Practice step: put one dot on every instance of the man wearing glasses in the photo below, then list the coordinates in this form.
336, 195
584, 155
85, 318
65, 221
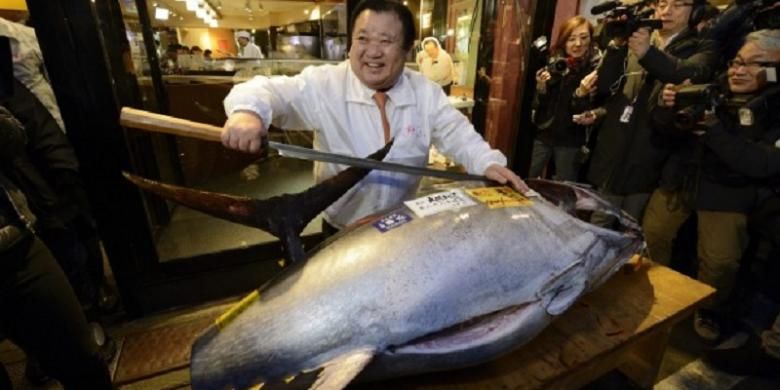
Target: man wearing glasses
627, 161
722, 174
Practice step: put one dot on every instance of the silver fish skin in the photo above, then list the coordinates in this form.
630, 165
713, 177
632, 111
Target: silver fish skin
441, 292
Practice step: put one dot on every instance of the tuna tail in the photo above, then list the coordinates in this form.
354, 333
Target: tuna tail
283, 216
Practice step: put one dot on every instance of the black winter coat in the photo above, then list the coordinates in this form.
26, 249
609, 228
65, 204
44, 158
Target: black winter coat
731, 167
553, 109
47, 169
628, 157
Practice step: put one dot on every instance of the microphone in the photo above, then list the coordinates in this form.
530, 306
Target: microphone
604, 7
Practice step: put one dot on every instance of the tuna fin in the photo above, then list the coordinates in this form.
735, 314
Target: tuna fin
283, 216
337, 373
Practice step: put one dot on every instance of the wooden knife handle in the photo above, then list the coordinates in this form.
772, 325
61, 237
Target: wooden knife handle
158, 123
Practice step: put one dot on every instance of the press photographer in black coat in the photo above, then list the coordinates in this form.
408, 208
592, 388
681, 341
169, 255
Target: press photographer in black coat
40, 311
627, 158
717, 174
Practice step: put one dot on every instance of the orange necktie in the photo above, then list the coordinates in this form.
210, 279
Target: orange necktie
381, 99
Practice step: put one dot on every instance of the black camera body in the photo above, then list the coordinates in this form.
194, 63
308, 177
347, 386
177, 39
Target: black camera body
695, 100
557, 66
624, 19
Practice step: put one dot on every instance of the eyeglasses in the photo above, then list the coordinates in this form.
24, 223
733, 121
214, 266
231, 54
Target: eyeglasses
753, 65
674, 4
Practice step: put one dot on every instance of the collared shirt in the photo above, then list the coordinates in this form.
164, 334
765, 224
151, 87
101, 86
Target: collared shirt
250, 51
28, 65
661, 43
334, 103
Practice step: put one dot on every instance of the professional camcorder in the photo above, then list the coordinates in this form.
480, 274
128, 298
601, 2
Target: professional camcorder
694, 101
740, 18
557, 66
624, 19
760, 13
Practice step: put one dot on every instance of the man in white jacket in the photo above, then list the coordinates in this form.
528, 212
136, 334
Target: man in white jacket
341, 104
247, 48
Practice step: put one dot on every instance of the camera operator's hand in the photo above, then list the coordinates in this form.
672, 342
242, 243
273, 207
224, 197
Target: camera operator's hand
542, 77
639, 42
587, 85
669, 93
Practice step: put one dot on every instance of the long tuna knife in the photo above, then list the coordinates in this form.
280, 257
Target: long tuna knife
158, 123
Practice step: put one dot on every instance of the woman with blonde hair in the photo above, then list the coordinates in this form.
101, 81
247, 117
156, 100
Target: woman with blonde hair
574, 57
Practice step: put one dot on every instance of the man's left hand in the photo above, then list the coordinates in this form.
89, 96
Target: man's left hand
639, 42
503, 175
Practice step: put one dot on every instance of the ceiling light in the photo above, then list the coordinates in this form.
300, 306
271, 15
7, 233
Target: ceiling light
161, 13
192, 5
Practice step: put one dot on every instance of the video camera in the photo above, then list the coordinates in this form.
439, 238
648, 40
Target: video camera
624, 19
557, 66
741, 17
759, 12
696, 100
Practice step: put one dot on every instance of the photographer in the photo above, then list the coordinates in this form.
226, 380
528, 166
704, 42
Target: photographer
723, 175
627, 159
574, 58
41, 313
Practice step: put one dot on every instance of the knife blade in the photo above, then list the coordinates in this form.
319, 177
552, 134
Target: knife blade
299, 152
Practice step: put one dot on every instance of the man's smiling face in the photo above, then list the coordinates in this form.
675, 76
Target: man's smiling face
377, 54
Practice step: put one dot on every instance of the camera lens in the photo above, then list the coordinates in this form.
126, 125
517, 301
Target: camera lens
559, 65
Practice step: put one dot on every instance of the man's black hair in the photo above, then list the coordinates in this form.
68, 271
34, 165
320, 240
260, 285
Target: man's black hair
400, 10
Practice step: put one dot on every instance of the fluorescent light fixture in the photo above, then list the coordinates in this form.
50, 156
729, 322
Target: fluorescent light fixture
213, 24
201, 12
161, 13
192, 5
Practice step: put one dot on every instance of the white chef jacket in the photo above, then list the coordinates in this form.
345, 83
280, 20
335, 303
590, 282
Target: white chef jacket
441, 70
250, 51
338, 107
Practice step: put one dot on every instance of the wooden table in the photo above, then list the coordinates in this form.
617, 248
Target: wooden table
624, 325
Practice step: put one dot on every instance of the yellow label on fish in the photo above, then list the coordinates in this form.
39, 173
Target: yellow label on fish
499, 197
234, 311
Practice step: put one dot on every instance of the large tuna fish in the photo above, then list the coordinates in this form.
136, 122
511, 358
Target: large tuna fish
402, 294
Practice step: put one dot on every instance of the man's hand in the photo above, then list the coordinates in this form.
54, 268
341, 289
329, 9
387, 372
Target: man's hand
243, 131
669, 93
503, 175
639, 42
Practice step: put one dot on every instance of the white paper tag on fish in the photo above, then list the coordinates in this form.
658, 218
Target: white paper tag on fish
438, 202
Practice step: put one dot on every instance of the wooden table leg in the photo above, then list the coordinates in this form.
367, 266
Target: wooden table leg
644, 360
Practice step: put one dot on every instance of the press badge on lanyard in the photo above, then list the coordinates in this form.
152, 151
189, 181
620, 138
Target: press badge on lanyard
626, 116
